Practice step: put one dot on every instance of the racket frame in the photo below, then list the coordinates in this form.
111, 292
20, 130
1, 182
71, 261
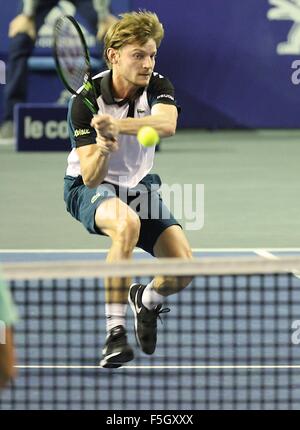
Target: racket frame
88, 89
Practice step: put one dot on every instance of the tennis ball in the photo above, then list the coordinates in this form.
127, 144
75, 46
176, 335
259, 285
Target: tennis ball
147, 136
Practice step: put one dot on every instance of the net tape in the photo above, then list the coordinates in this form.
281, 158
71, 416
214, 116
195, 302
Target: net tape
163, 266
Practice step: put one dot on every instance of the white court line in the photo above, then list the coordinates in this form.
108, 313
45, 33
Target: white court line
138, 251
266, 254
60, 251
209, 367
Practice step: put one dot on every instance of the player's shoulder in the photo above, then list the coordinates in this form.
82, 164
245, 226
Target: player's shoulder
76, 105
97, 79
160, 90
158, 82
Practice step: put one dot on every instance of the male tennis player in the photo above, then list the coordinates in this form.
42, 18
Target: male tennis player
104, 172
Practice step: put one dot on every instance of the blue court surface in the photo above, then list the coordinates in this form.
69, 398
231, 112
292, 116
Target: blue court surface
226, 344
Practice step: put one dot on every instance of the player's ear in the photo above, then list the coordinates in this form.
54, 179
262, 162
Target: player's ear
112, 55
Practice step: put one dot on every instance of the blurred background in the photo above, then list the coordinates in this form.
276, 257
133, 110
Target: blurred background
233, 67
235, 158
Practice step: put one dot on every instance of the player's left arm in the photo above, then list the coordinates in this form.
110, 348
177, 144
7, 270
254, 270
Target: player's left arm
163, 108
163, 118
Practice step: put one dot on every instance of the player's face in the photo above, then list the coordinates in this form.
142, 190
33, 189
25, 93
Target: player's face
136, 63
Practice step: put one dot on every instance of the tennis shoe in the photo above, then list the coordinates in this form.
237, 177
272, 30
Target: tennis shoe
116, 350
145, 320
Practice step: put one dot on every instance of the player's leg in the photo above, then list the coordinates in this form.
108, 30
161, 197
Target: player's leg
20, 49
114, 218
146, 300
172, 243
118, 221
162, 236
15, 90
101, 212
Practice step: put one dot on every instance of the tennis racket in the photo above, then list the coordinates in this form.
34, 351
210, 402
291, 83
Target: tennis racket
72, 60
73, 64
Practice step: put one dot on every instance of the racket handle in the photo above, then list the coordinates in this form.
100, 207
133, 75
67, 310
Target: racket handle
108, 136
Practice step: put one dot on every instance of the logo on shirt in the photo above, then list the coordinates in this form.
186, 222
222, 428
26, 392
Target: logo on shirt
95, 197
165, 96
82, 132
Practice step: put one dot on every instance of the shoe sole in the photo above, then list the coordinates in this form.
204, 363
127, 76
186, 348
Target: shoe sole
121, 357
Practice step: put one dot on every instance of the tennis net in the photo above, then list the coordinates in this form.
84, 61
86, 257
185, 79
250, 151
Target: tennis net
231, 340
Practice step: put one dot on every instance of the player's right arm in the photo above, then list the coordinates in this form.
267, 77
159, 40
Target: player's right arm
93, 149
94, 160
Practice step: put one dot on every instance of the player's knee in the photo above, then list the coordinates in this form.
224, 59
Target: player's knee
187, 253
184, 252
128, 231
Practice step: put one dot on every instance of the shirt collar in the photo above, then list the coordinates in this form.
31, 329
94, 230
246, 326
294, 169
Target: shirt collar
107, 93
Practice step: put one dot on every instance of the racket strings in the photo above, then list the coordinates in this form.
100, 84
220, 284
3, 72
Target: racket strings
71, 54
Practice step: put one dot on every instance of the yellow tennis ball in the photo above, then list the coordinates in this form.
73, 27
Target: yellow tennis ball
147, 136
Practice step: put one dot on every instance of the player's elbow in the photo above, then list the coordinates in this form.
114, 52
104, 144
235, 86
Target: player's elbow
170, 130
90, 182
170, 127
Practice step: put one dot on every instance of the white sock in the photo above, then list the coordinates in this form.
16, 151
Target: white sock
150, 297
115, 315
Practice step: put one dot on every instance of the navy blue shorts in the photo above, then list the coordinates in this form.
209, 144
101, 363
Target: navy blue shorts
82, 203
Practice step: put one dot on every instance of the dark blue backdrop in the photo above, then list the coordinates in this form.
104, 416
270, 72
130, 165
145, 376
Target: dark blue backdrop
221, 56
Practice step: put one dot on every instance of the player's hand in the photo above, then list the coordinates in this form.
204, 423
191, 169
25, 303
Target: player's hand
105, 145
105, 126
104, 26
22, 24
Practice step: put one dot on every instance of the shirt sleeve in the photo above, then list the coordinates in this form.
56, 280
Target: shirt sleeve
79, 119
161, 90
8, 311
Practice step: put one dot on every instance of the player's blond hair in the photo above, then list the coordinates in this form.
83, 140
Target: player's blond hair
133, 27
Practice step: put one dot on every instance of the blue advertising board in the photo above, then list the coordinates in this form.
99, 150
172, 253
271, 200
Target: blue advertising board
232, 62
41, 127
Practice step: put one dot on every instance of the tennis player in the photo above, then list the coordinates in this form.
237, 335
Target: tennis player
8, 316
107, 168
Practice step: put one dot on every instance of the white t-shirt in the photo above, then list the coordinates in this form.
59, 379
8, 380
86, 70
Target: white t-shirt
132, 162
